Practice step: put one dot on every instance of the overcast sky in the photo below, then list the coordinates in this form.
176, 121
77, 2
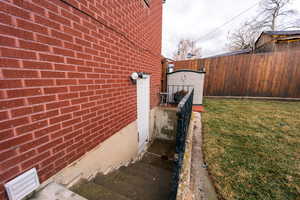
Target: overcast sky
195, 18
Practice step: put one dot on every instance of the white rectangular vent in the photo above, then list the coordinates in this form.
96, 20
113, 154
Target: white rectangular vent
22, 185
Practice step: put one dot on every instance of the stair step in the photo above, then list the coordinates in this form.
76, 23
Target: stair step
163, 147
93, 191
149, 172
133, 187
157, 161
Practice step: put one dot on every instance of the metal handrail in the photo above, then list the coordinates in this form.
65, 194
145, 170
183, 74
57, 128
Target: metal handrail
184, 113
172, 89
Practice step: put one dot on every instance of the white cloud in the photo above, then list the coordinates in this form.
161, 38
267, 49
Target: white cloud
195, 18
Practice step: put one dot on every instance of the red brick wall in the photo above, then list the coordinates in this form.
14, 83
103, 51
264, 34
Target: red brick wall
65, 84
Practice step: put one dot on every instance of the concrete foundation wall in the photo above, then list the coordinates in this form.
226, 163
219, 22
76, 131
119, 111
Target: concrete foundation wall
152, 132
118, 150
165, 123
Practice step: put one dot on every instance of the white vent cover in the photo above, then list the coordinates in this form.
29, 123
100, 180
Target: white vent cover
22, 185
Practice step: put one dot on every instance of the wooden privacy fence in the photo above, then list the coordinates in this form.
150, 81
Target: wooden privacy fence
254, 75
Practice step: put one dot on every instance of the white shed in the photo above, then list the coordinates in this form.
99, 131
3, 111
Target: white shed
186, 80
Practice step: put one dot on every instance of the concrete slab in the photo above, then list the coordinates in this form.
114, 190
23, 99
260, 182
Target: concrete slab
163, 148
54, 191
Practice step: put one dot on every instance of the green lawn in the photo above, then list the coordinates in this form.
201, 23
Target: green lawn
252, 148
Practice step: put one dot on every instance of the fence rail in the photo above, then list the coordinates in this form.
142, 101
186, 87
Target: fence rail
254, 75
184, 113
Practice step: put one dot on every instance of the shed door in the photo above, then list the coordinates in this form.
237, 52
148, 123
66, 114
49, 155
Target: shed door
143, 111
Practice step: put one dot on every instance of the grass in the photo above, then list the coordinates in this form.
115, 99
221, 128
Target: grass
252, 148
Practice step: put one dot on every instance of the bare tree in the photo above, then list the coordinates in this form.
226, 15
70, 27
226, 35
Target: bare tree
274, 11
273, 15
243, 38
186, 50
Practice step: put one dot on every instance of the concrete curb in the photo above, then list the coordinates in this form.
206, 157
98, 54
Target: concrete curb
194, 182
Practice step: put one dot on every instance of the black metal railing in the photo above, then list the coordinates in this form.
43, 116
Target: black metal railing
173, 90
184, 114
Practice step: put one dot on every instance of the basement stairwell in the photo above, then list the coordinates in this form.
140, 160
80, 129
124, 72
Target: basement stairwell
147, 179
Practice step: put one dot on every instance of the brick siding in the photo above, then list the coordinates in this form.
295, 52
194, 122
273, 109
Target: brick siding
64, 77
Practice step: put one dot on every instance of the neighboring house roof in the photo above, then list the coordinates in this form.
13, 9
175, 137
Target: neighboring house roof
232, 53
295, 32
289, 35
